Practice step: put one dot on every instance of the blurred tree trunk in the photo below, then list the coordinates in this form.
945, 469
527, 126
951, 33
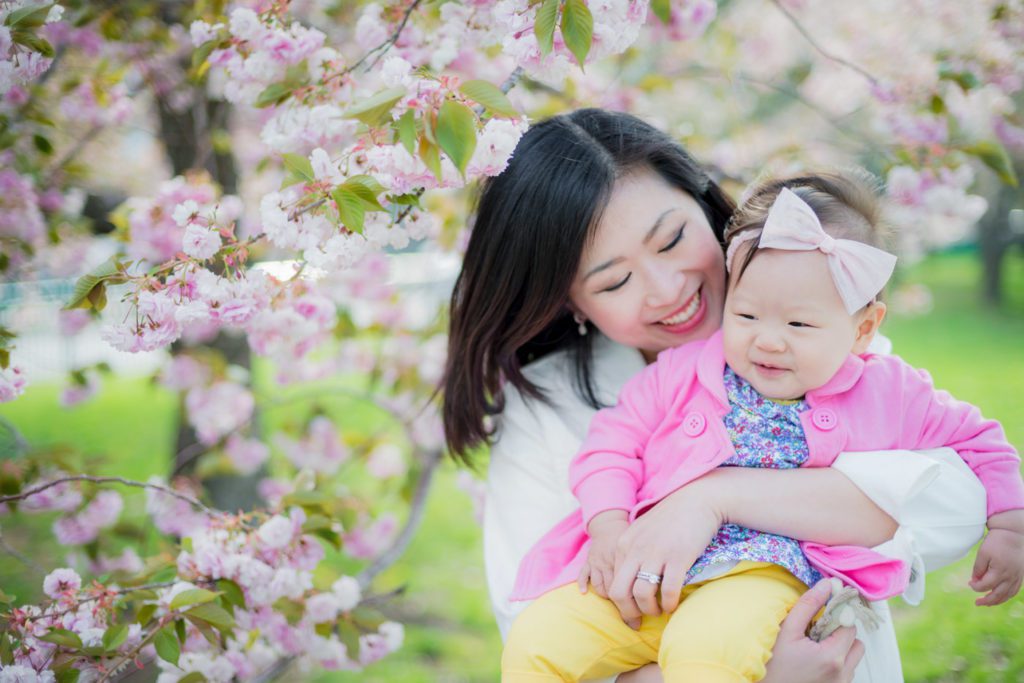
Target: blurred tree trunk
997, 235
189, 135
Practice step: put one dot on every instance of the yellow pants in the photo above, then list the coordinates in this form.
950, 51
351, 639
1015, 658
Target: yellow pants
722, 632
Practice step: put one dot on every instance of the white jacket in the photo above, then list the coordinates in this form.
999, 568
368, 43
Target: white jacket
937, 501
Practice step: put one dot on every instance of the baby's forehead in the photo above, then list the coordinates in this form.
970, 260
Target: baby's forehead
795, 276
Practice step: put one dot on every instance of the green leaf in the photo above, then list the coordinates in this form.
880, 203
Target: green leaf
167, 646
490, 96
456, 133
995, 157
33, 42
6, 651
275, 93
212, 614
662, 9
145, 614
349, 635
232, 592
431, 156
201, 53
304, 498
366, 188
377, 109
63, 637
351, 209
195, 596
193, 677
42, 144
179, 630
67, 676
28, 17
5, 599
114, 636
406, 129
544, 26
299, 165
577, 28
107, 273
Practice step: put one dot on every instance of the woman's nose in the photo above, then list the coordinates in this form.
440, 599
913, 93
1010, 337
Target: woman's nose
664, 287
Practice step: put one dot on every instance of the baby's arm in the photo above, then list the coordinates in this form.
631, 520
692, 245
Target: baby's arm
945, 421
604, 530
999, 566
608, 471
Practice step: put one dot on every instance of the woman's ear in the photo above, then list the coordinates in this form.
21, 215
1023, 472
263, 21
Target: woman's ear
871, 320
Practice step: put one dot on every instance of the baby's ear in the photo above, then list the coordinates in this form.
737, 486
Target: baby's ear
870, 320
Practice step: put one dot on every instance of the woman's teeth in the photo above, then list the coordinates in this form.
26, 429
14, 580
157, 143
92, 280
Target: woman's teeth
685, 314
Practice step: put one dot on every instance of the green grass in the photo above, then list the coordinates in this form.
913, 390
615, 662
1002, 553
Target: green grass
971, 350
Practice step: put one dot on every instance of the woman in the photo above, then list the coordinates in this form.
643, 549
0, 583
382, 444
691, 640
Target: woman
598, 247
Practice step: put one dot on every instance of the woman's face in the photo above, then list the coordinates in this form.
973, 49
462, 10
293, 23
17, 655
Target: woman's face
654, 275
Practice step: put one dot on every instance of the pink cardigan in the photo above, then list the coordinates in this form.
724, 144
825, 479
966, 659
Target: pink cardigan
667, 430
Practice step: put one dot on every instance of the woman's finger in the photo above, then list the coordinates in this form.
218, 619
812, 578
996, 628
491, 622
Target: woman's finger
672, 586
794, 626
646, 594
621, 592
853, 658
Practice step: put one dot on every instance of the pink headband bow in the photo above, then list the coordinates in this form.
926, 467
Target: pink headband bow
859, 270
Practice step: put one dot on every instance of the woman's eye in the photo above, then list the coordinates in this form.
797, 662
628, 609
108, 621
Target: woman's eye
618, 285
675, 240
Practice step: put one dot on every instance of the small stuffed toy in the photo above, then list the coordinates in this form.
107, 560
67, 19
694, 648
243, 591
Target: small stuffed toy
846, 607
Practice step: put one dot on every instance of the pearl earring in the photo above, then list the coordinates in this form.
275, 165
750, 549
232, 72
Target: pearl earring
582, 322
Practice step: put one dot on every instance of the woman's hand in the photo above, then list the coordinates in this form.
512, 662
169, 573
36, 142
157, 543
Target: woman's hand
798, 659
667, 540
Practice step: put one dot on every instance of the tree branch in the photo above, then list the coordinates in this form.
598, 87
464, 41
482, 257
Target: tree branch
807, 36
412, 522
112, 480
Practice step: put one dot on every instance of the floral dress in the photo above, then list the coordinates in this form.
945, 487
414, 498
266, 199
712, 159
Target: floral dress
765, 433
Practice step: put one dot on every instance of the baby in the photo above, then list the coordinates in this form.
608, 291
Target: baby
788, 382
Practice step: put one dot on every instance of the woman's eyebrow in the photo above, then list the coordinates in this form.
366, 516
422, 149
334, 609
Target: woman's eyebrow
647, 238
657, 224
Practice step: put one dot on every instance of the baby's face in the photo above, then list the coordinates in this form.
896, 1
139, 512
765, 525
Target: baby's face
786, 330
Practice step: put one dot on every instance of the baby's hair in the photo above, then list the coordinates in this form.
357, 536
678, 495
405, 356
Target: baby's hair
846, 202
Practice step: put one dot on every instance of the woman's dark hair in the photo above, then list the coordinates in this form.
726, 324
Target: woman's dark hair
509, 305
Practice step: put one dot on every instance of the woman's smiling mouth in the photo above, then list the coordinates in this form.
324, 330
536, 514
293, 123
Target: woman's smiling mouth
685, 315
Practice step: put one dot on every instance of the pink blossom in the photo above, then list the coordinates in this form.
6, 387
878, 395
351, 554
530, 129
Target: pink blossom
184, 372
64, 497
218, 410
83, 527
18, 673
12, 383
76, 393
61, 581
322, 607
348, 593
276, 532
172, 515
201, 242
72, 322
367, 542
322, 450
385, 461
246, 455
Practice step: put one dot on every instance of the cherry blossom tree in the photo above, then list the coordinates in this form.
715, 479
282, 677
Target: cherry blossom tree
307, 141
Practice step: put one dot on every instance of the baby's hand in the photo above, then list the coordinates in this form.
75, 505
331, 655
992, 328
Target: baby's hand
999, 567
599, 569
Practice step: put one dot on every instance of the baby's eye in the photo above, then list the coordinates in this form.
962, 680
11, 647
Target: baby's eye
746, 316
797, 323
618, 285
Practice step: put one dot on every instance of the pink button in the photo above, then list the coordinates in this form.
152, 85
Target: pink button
824, 419
694, 424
